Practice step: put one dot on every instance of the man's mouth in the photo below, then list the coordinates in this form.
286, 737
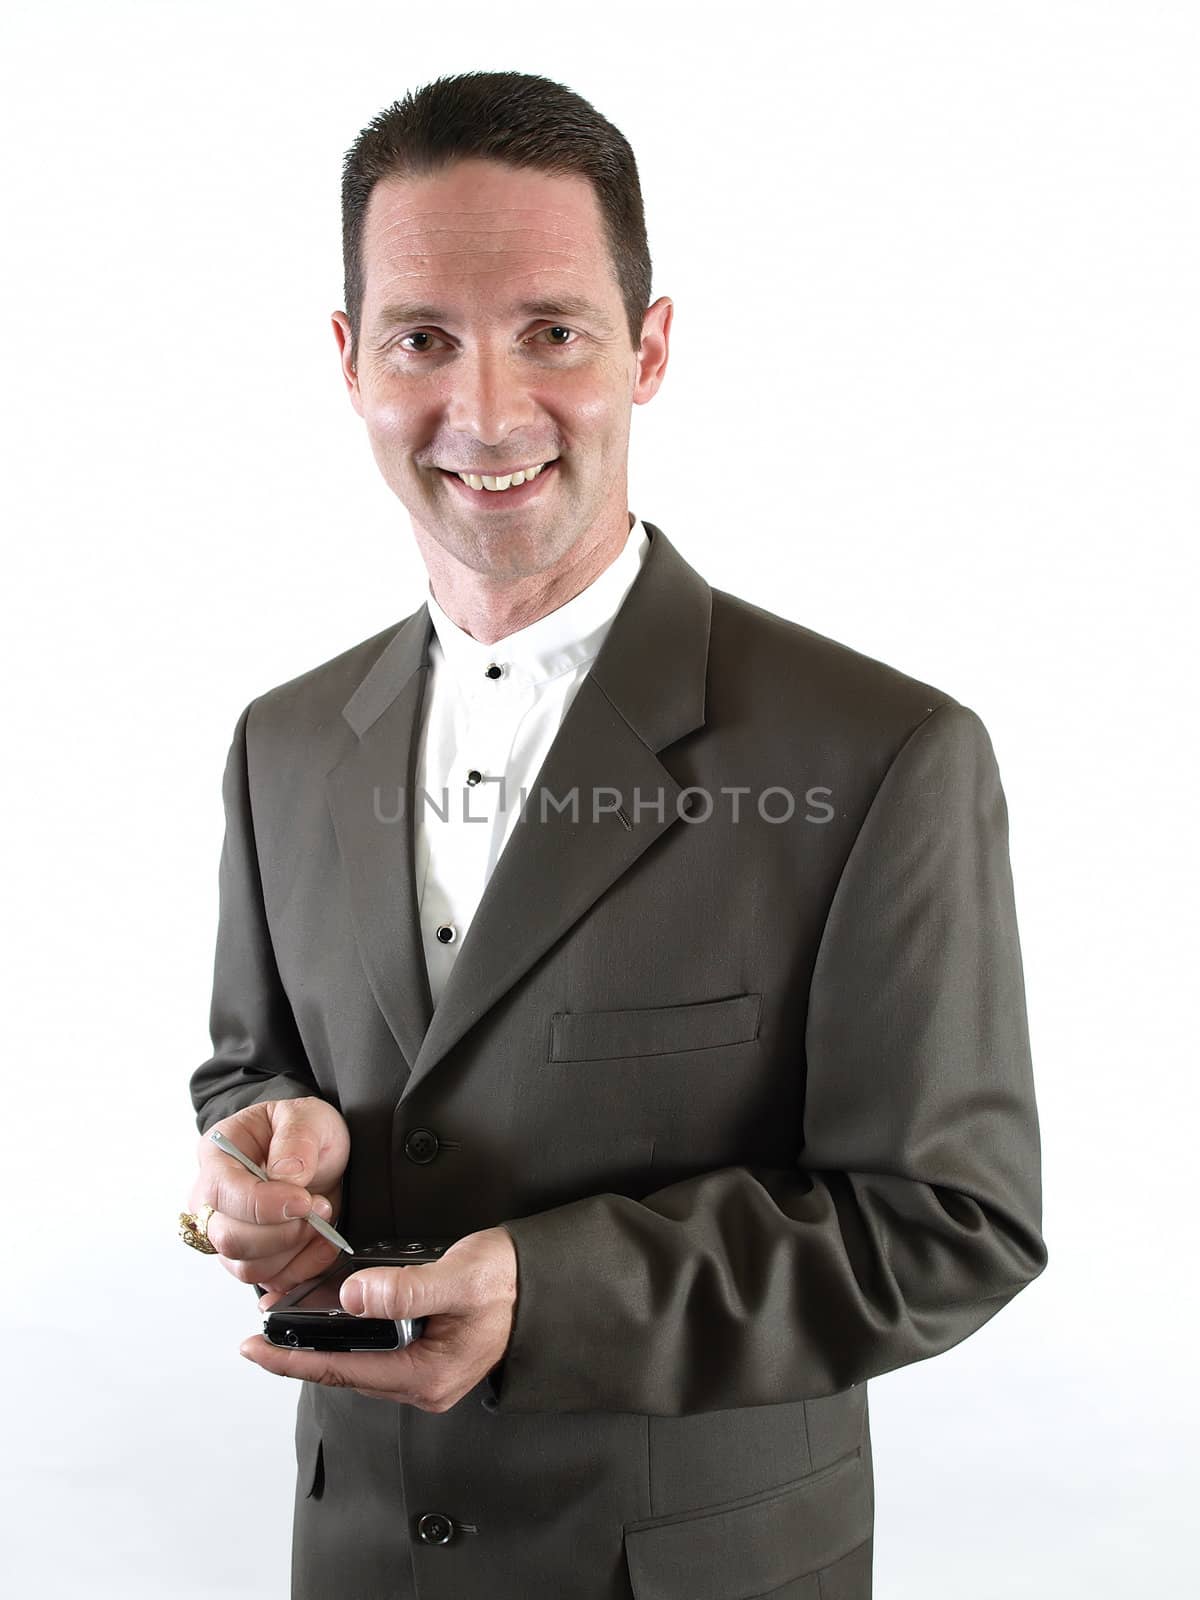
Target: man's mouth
484, 488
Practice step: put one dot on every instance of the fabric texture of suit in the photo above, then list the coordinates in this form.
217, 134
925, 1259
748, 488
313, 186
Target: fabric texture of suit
754, 1098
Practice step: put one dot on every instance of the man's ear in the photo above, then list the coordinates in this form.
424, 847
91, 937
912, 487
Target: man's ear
654, 351
341, 332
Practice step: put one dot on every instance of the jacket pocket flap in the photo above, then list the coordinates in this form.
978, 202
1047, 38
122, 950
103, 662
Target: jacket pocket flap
653, 1030
753, 1546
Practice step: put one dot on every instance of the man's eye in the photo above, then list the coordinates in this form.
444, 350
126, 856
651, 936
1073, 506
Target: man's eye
418, 335
557, 344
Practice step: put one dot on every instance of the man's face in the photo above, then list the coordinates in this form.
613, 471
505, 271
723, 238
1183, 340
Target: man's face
493, 338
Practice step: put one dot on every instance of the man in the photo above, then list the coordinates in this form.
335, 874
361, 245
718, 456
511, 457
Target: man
729, 1108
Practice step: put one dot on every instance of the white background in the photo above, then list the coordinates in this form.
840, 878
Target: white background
932, 391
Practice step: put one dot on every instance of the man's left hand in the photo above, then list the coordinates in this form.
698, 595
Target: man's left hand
468, 1297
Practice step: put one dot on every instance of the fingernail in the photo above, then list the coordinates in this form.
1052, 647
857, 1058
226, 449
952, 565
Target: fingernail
296, 1208
287, 1164
322, 1207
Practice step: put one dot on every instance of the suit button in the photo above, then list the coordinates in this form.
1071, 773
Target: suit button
433, 1528
421, 1146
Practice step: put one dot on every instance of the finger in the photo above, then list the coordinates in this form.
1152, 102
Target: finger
312, 1261
284, 1139
247, 1241
280, 1271
294, 1152
227, 1187
397, 1293
387, 1371
251, 1241
255, 1269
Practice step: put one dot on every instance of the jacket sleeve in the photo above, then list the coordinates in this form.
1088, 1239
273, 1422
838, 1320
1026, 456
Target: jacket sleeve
257, 1052
912, 1213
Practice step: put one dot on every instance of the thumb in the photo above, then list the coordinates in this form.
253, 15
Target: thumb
389, 1292
353, 1295
295, 1147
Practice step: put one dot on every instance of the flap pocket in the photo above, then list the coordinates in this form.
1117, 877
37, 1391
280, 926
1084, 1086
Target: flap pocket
751, 1547
653, 1030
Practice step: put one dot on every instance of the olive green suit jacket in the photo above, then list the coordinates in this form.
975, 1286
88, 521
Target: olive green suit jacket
748, 1082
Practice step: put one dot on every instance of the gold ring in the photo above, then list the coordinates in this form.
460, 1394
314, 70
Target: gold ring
193, 1229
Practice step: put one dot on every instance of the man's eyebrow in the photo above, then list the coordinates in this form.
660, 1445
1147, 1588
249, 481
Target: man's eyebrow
558, 306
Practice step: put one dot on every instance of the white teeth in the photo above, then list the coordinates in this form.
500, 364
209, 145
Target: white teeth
475, 481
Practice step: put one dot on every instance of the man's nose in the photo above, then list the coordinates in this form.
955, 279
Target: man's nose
488, 397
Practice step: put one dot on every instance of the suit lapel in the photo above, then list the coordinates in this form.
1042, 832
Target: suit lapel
370, 797
644, 690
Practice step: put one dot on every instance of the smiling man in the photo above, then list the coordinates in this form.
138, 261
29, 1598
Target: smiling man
495, 373
725, 1104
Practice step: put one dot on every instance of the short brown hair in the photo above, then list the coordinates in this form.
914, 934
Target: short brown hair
513, 117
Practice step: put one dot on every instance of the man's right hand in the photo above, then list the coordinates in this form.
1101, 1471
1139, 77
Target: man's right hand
258, 1228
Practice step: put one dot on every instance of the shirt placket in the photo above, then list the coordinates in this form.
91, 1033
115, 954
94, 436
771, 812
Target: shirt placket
478, 786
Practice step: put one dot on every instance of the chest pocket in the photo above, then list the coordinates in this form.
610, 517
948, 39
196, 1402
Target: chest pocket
653, 1030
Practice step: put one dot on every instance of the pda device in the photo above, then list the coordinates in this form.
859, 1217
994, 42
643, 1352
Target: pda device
310, 1316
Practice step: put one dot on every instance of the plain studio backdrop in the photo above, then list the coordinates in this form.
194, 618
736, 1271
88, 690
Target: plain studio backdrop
932, 391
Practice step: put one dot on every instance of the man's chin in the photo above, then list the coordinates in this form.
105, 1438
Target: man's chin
502, 553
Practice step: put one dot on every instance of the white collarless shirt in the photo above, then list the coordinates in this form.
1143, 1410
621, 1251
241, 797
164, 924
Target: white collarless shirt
483, 740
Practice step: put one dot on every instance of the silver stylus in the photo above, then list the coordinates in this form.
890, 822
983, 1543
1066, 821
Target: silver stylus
319, 1223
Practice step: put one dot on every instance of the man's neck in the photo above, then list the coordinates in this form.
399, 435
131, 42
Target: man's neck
490, 610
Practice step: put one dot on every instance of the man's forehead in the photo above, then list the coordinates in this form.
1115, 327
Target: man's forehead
539, 248
485, 198
428, 231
